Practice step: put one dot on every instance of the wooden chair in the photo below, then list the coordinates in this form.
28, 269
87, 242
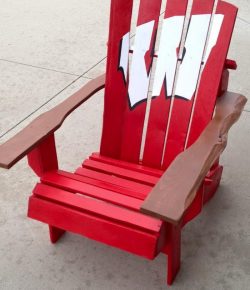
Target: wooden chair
159, 157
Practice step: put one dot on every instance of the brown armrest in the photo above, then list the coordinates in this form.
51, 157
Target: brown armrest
22, 143
177, 188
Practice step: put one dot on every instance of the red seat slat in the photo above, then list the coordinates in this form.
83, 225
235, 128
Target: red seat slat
76, 186
127, 165
111, 182
121, 172
97, 208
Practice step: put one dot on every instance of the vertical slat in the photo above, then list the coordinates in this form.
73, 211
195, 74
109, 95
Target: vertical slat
123, 119
116, 87
211, 76
160, 105
134, 115
182, 108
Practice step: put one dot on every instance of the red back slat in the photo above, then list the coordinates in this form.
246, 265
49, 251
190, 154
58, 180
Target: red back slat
180, 117
134, 118
160, 106
210, 81
115, 100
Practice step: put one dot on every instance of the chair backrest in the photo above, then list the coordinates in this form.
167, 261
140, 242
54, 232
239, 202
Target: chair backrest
157, 103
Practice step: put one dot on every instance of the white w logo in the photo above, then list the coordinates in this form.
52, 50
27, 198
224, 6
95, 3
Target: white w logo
167, 56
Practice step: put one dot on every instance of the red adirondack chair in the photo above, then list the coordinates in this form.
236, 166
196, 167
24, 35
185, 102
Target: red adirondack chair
159, 157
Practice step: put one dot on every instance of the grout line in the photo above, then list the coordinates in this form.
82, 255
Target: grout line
93, 66
247, 111
38, 67
42, 105
53, 97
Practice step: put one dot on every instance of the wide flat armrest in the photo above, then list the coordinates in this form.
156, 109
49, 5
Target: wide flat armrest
177, 188
23, 142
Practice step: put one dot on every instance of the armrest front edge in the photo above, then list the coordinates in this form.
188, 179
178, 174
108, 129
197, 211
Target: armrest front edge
177, 188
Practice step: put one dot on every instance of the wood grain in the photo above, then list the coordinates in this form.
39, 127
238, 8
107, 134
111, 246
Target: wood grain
177, 188
22, 143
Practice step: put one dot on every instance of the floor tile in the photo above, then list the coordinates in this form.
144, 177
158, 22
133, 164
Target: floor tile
68, 36
24, 89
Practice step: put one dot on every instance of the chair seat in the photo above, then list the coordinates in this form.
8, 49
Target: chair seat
106, 194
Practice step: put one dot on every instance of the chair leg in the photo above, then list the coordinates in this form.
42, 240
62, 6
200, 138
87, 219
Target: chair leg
55, 234
174, 252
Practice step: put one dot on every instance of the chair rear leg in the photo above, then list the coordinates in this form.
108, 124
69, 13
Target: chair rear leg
174, 252
55, 234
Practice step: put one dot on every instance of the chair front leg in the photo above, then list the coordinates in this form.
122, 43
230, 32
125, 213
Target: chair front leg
55, 234
173, 251
42, 159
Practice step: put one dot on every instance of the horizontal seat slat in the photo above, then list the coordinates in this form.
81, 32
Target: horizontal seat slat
115, 183
127, 165
75, 186
106, 231
97, 208
121, 172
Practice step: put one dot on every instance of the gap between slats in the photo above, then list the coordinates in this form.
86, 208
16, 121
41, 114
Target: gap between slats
149, 97
126, 165
121, 172
201, 70
147, 137
165, 151
179, 118
182, 45
110, 182
72, 185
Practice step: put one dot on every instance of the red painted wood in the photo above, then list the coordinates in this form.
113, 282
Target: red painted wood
160, 106
41, 159
210, 189
230, 64
115, 101
75, 186
110, 182
196, 206
121, 172
55, 234
98, 208
211, 77
134, 118
205, 193
181, 112
173, 252
106, 231
126, 165
224, 82
44, 157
